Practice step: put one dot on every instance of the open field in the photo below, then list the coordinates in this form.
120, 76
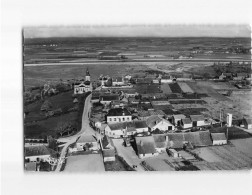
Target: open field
244, 145
84, 163
225, 157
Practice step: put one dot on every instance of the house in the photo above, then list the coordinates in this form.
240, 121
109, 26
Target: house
146, 147
86, 142
116, 115
128, 77
108, 149
197, 120
75, 100
173, 153
219, 138
129, 93
118, 104
83, 86
240, 76
247, 123
95, 98
117, 130
166, 79
107, 99
156, 81
156, 122
160, 142
176, 119
133, 100
186, 123
225, 76
117, 81
39, 153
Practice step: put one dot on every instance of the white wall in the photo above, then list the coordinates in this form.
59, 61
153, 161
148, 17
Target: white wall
34, 158
116, 119
219, 142
147, 155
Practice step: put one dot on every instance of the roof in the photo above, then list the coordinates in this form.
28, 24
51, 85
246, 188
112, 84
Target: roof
109, 97
108, 153
117, 79
242, 74
39, 151
118, 112
248, 120
145, 145
197, 117
186, 121
131, 126
227, 74
179, 116
160, 140
107, 143
218, 136
154, 120
30, 166
86, 139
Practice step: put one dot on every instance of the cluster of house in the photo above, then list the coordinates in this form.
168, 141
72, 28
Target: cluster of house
236, 76
174, 142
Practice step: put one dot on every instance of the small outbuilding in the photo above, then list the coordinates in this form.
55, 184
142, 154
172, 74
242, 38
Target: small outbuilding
219, 138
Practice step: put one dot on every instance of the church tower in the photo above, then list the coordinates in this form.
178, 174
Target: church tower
87, 75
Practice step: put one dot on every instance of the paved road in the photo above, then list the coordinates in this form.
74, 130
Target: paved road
85, 130
128, 154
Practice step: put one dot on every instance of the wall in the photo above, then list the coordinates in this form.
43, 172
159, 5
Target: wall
147, 155
34, 158
185, 126
116, 119
200, 123
109, 159
219, 142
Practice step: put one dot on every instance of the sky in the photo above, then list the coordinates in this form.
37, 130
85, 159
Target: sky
138, 31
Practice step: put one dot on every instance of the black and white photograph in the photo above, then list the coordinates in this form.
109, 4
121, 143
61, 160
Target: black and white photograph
119, 97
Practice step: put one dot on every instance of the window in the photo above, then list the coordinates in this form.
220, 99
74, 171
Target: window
110, 119
128, 118
123, 119
114, 119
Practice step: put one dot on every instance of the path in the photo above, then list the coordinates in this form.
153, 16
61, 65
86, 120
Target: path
128, 154
85, 130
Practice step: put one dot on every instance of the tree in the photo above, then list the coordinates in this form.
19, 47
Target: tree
62, 127
47, 105
52, 143
157, 131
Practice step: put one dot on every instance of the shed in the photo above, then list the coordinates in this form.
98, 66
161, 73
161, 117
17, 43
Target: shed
219, 138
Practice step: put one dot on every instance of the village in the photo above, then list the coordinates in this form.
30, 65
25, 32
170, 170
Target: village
154, 121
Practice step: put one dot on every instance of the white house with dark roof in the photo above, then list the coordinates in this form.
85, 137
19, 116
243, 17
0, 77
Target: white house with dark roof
117, 115
118, 81
86, 142
197, 120
108, 149
146, 147
39, 153
117, 130
219, 138
156, 122
107, 99
186, 123
161, 142
176, 119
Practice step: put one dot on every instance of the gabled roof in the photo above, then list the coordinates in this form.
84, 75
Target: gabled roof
108, 153
247, 120
145, 145
140, 124
131, 126
186, 121
39, 151
160, 140
107, 143
118, 112
154, 120
218, 136
179, 116
86, 139
197, 117
109, 97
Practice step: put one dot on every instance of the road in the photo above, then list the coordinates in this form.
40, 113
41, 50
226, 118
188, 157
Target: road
85, 130
128, 154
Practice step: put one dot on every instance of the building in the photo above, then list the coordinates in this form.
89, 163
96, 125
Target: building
86, 143
186, 123
160, 142
197, 120
176, 119
108, 149
117, 81
83, 86
117, 130
39, 153
225, 76
240, 76
219, 138
107, 99
146, 147
174, 153
117, 115
156, 122
247, 123
166, 79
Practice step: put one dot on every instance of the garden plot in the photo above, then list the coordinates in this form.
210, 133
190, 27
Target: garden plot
244, 145
185, 88
224, 157
166, 89
175, 88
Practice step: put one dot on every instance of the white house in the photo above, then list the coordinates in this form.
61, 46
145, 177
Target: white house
117, 115
166, 79
108, 149
86, 142
39, 153
160, 142
117, 130
176, 119
219, 138
186, 123
156, 122
107, 99
197, 120
247, 123
118, 81
146, 147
